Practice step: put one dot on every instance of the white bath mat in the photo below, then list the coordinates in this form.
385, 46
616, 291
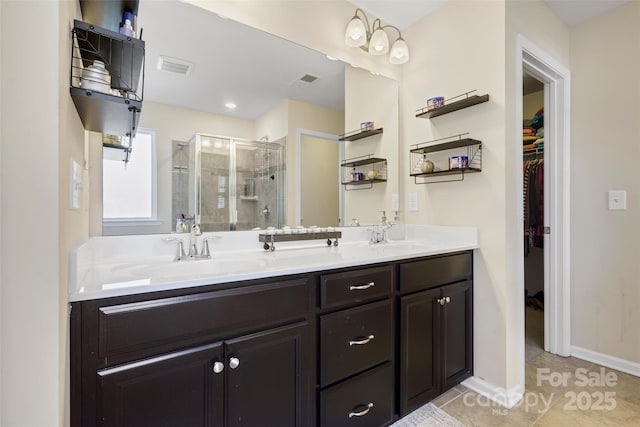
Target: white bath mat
428, 415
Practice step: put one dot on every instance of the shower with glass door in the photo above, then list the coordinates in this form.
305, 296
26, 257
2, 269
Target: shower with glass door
236, 184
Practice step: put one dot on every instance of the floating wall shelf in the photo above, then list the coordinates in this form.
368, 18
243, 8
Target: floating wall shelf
422, 152
450, 107
359, 134
363, 171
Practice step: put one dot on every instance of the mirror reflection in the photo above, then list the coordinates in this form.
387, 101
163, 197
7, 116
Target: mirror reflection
228, 108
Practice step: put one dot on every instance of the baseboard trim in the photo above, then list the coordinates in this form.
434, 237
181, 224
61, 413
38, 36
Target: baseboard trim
612, 362
499, 395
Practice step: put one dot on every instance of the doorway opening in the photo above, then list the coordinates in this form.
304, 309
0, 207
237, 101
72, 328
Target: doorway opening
555, 238
318, 188
533, 141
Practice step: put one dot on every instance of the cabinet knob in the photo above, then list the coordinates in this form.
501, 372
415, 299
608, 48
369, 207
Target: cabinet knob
218, 367
234, 362
362, 341
362, 413
362, 287
443, 300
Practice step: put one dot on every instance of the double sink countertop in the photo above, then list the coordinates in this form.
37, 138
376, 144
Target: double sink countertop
109, 266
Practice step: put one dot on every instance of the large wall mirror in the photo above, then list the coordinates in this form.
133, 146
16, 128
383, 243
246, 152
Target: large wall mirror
274, 159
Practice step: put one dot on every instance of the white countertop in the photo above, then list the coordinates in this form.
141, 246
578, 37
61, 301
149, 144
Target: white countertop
125, 265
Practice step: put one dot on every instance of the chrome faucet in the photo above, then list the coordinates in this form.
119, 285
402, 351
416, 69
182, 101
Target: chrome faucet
355, 222
180, 255
193, 246
378, 234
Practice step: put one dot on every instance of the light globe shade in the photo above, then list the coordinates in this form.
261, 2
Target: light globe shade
379, 43
356, 34
399, 52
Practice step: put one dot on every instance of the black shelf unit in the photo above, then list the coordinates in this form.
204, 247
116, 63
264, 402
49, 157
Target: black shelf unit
473, 148
107, 14
359, 134
118, 112
366, 165
468, 101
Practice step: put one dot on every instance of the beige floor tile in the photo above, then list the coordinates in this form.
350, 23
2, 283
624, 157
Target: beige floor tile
568, 413
461, 388
446, 397
474, 410
627, 386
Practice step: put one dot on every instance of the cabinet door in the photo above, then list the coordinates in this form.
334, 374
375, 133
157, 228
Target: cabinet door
268, 378
175, 389
419, 373
457, 334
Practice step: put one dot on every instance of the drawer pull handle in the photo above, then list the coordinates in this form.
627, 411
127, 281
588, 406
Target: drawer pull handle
362, 287
362, 413
361, 342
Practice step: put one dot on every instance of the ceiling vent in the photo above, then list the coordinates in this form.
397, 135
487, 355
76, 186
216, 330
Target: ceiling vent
305, 81
174, 65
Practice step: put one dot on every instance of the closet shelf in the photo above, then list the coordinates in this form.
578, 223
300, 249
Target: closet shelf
450, 107
359, 134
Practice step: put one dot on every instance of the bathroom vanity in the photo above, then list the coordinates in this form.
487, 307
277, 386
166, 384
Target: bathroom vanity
358, 335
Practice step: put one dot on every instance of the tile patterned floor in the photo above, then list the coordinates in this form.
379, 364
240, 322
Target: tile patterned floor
582, 399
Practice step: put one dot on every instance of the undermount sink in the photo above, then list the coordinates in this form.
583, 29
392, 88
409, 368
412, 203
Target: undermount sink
197, 268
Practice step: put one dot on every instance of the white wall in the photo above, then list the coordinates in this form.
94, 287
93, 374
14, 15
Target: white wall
318, 25
605, 148
274, 123
373, 98
535, 21
30, 310
448, 62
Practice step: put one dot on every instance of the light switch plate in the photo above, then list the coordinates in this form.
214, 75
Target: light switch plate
412, 202
395, 202
617, 199
75, 182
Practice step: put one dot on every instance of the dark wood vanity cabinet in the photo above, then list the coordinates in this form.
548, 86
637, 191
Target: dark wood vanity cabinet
357, 348
350, 347
232, 357
436, 328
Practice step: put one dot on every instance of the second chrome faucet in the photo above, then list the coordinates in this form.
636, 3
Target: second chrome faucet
194, 254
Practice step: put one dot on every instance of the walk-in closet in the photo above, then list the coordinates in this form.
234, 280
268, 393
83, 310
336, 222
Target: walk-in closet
533, 204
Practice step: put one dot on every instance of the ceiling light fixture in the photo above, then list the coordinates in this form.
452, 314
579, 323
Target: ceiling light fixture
374, 39
230, 105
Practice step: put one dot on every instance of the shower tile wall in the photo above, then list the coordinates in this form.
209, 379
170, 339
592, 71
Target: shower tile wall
180, 182
215, 192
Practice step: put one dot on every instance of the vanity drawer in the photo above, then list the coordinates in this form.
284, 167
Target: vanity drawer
354, 340
364, 401
355, 286
432, 272
138, 329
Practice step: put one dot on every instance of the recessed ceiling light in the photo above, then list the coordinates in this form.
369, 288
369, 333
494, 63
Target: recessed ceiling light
331, 58
230, 105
